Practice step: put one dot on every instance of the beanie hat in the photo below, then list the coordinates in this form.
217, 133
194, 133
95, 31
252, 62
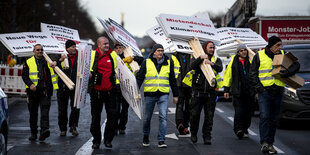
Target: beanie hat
156, 46
206, 44
273, 40
240, 46
69, 43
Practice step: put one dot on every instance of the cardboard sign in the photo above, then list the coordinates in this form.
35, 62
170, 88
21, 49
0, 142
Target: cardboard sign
82, 77
121, 35
230, 34
129, 87
61, 33
185, 28
157, 34
21, 44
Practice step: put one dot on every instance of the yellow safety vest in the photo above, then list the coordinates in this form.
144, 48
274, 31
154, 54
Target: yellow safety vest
92, 59
228, 73
33, 73
189, 76
177, 65
154, 81
265, 70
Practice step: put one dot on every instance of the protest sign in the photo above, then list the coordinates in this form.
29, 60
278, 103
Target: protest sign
82, 75
157, 34
21, 44
61, 33
107, 29
185, 28
129, 87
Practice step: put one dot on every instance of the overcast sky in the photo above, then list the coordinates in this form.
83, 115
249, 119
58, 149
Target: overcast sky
140, 14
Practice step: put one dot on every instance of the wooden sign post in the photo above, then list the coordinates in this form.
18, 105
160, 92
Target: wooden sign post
206, 68
134, 65
61, 74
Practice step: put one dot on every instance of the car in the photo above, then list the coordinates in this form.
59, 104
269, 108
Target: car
4, 120
296, 102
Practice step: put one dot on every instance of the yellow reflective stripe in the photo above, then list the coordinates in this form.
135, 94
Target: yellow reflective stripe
155, 78
176, 67
266, 78
155, 85
265, 71
53, 76
34, 80
219, 80
33, 73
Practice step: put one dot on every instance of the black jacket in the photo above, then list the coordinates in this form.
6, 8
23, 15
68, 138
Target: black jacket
200, 82
172, 81
254, 80
45, 85
184, 60
70, 72
237, 81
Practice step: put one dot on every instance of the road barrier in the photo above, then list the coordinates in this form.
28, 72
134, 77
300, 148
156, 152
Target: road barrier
11, 80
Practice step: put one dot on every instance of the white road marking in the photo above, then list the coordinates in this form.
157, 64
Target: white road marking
19, 128
172, 136
219, 110
279, 150
86, 149
171, 110
250, 131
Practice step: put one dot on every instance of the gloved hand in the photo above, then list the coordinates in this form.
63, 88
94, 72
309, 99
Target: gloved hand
284, 73
128, 59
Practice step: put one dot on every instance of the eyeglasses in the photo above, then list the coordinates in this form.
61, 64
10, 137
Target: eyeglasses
39, 49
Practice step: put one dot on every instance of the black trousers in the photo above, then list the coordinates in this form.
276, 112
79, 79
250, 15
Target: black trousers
35, 101
207, 101
182, 115
63, 99
109, 98
243, 112
123, 110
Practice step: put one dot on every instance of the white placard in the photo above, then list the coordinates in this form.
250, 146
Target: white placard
107, 29
157, 34
129, 87
83, 70
61, 33
185, 27
21, 44
229, 34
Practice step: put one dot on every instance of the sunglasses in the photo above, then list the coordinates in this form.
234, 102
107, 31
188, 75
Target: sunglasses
39, 49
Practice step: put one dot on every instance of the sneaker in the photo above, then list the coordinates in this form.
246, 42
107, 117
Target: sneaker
146, 141
186, 131
207, 141
240, 134
73, 131
122, 132
181, 129
95, 146
272, 150
63, 133
162, 144
245, 135
108, 144
44, 135
194, 138
265, 148
33, 137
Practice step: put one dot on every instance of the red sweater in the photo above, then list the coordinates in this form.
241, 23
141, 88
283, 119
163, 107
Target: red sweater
105, 68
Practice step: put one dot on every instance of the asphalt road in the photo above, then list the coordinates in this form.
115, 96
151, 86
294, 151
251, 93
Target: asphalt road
292, 140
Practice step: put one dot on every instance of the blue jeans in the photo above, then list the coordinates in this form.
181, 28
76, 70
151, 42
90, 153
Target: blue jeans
162, 103
269, 107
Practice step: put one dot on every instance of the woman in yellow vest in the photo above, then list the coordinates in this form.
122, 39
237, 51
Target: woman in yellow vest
40, 81
236, 83
270, 91
157, 72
